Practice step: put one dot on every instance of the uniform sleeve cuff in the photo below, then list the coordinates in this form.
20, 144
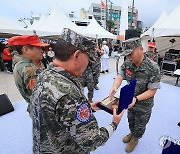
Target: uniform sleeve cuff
111, 128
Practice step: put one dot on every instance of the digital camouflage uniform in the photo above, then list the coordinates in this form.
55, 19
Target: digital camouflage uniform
62, 117
25, 73
152, 55
148, 77
63, 121
87, 81
96, 68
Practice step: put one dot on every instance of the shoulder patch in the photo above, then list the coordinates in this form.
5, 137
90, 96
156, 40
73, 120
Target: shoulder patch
83, 113
32, 83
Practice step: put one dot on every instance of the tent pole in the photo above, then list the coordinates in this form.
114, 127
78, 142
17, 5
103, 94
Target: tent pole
96, 38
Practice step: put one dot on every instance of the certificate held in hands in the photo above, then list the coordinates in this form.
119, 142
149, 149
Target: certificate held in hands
125, 98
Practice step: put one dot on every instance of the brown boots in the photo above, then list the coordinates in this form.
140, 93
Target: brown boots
127, 138
132, 142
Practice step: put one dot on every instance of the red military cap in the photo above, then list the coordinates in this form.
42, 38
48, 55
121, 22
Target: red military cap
26, 39
152, 44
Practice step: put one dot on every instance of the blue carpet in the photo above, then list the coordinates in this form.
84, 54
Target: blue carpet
16, 127
16, 131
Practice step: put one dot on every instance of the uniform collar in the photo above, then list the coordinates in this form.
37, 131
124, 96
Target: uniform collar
25, 59
63, 72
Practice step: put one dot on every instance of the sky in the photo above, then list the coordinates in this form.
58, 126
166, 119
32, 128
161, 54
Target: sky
149, 10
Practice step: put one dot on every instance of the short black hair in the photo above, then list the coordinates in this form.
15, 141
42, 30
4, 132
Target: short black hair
18, 48
63, 50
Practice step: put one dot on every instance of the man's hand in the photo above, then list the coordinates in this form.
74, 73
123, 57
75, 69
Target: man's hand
93, 105
117, 117
112, 92
133, 103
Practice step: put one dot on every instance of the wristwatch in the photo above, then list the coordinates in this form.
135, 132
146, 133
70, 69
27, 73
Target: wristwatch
114, 125
136, 99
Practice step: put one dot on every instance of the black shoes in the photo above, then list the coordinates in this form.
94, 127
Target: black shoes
178, 124
104, 71
96, 87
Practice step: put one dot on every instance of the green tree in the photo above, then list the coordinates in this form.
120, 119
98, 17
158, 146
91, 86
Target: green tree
110, 24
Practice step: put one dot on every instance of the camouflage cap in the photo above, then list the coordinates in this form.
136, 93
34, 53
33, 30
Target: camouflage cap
83, 43
129, 45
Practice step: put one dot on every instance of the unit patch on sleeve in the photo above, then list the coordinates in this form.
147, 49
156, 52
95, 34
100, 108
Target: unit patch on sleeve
83, 113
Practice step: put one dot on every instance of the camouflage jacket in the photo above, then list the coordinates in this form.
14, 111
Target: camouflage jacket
25, 73
15, 58
96, 65
147, 76
152, 55
63, 121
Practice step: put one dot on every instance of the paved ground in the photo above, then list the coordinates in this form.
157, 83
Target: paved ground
7, 84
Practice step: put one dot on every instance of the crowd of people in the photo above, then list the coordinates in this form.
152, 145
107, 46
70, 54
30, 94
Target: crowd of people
51, 79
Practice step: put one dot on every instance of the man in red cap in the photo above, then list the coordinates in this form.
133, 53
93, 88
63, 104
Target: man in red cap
151, 53
26, 70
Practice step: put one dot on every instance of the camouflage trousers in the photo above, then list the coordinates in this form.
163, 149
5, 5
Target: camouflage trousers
137, 119
96, 73
89, 83
90, 87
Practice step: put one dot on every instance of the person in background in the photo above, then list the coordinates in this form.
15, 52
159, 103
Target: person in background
87, 81
44, 59
26, 70
63, 121
147, 75
7, 59
105, 57
50, 55
115, 50
152, 53
110, 49
96, 67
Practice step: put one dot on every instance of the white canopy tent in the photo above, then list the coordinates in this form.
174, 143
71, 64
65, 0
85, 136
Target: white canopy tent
163, 31
150, 31
55, 23
32, 27
9, 28
94, 30
171, 25
36, 24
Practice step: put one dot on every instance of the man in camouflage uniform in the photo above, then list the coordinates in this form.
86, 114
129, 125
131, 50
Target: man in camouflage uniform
63, 121
87, 81
96, 67
151, 53
147, 73
28, 49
